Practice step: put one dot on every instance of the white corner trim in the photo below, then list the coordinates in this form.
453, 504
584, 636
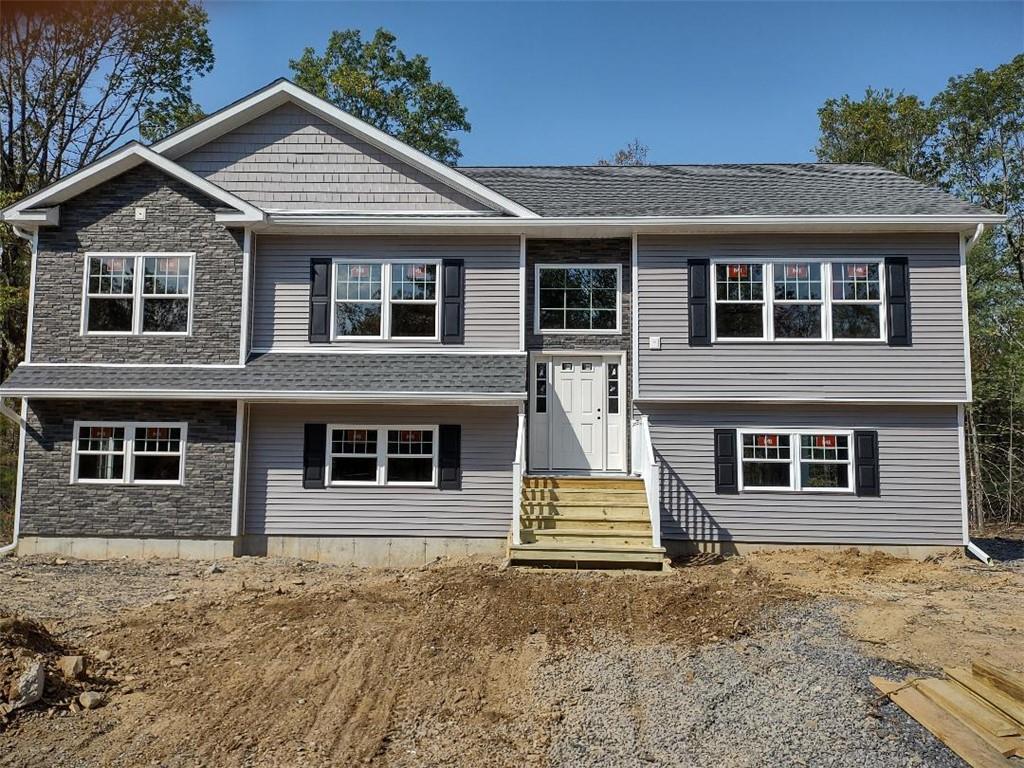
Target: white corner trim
965, 247
243, 344
522, 293
634, 312
283, 91
236, 485
19, 488
962, 439
118, 162
31, 296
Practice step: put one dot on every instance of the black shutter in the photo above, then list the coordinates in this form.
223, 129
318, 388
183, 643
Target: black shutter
314, 456
897, 289
453, 291
726, 478
449, 457
700, 308
865, 461
319, 301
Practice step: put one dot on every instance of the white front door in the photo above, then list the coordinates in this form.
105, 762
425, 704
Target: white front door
577, 413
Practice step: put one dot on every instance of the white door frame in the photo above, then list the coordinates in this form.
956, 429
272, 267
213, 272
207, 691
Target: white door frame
535, 419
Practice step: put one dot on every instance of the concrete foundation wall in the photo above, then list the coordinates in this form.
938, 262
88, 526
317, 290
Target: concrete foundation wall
371, 551
678, 548
95, 548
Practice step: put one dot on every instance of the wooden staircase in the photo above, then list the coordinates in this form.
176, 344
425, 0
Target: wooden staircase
585, 521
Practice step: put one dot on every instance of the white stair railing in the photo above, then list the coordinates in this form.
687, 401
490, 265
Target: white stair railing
518, 470
646, 464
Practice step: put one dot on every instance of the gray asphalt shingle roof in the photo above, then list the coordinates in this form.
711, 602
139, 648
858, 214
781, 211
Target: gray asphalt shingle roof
309, 373
805, 189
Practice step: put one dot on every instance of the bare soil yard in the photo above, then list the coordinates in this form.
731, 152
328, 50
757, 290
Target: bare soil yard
752, 661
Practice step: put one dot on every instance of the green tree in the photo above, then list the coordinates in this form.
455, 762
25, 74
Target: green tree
888, 129
378, 83
969, 140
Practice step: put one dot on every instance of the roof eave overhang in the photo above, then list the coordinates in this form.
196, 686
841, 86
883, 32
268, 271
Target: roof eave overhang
281, 92
615, 226
43, 208
276, 396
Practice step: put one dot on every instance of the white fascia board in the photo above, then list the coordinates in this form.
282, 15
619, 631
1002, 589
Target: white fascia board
283, 91
116, 163
807, 400
617, 226
268, 395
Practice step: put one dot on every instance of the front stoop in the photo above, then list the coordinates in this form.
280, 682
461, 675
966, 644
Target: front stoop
585, 521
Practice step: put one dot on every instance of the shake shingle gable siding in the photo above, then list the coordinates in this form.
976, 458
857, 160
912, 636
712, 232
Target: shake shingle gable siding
805, 189
291, 158
178, 219
289, 372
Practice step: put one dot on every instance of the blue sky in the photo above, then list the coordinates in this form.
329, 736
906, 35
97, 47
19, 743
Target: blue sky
567, 83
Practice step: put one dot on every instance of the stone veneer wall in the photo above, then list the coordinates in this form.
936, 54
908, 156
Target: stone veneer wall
200, 507
178, 218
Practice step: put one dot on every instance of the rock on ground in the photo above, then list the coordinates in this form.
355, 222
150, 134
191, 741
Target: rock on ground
27, 688
796, 694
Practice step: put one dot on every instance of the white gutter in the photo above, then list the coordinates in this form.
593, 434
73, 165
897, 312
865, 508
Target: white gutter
979, 553
22, 423
257, 395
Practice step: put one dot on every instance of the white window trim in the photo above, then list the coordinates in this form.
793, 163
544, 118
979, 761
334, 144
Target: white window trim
137, 297
767, 304
385, 300
795, 461
617, 330
382, 456
128, 477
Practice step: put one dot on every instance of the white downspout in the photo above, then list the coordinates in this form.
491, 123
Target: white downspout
972, 548
24, 234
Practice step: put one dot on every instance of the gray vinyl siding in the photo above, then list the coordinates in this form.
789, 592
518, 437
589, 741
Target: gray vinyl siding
932, 368
276, 502
919, 469
281, 286
291, 158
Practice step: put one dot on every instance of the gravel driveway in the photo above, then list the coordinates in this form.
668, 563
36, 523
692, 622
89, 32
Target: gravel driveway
793, 695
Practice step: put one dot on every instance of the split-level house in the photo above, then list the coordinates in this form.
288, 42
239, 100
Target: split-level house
283, 331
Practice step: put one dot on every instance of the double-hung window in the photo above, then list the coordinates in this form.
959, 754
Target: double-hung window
137, 293
129, 453
798, 300
386, 300
382, 455
578, 298
802, 460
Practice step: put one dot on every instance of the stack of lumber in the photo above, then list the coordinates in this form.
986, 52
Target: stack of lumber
976, 712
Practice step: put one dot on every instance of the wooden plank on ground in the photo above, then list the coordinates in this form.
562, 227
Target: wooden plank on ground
968, 707
944, 726
1008, 745
1011, 683
997, 698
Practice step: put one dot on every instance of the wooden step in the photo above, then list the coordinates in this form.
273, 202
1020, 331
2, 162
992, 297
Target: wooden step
533, 481
551, 507
577, 494
590, 524
582, 554
588, 537
595, 514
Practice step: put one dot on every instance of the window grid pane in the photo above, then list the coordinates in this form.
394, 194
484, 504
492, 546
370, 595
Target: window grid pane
166, 275
410, 442
856, 281
166, 440
357, 282
797, 281
354, 442
414, 282
824, 447
111, 275
101, 439
739, 282
766, 447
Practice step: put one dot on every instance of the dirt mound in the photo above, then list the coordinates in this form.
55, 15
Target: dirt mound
435, 666
37, 671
